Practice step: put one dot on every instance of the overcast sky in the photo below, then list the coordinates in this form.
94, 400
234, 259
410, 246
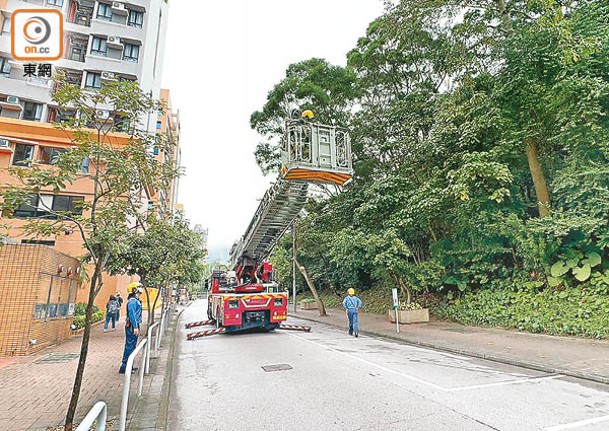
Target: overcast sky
222, 57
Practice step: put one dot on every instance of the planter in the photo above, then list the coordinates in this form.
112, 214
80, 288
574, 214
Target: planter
308, 305
410, 316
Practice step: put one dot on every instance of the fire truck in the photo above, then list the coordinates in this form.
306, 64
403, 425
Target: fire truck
246, 295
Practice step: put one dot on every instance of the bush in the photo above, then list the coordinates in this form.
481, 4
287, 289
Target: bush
79, 321
580, 311
80, 309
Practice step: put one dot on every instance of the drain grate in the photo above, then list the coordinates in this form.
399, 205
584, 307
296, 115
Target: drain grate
57, 358
277, 367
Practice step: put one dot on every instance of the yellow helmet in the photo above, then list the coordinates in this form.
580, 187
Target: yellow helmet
308, 114
134, 284
351, 291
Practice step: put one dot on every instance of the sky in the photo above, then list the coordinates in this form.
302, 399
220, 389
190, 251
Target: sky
222, 57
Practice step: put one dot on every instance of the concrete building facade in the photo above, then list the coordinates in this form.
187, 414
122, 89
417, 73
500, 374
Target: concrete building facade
103, 40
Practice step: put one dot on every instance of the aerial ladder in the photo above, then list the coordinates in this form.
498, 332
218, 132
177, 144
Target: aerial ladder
246, 295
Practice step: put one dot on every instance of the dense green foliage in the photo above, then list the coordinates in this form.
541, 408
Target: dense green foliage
79, 321
481, 150
80, 309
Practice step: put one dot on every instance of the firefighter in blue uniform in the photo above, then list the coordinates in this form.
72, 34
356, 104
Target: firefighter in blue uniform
352, 304
134, 321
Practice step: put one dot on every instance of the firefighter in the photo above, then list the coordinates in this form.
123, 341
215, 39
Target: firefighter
133, 323
352, 304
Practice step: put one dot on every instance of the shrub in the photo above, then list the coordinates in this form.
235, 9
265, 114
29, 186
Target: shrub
79, 321
80, 309
581, 311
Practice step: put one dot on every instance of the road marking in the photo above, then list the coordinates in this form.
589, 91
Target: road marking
424, 382
578, 424
509, 382
407, 376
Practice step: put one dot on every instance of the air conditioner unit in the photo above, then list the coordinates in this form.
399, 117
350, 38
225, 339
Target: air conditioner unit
5, 143
118, 5
12, 99
102, 114
108, 76
114, 40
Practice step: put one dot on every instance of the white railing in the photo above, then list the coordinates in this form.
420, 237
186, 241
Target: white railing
148, 346
127, 386
98, 415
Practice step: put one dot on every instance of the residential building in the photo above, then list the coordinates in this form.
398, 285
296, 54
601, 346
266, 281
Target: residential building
168, 123
103, 40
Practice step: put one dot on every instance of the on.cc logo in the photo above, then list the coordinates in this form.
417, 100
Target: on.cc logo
37, 34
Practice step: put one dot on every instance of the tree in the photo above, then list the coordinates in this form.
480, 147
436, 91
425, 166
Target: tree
120, 174
327, 90
166, 252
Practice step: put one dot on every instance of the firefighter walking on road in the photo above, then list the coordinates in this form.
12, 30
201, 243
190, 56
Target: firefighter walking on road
352, 304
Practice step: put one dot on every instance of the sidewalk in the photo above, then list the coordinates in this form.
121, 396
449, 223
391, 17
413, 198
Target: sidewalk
583, 358
35, 390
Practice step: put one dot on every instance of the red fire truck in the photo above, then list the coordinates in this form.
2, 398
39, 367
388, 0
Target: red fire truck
246, 296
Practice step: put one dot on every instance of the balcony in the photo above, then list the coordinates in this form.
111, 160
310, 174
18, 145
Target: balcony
80, 12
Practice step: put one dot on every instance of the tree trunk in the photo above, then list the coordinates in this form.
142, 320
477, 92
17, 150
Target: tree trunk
539, 179
404, 288
320, 304
158, 293
303, 271
83, 352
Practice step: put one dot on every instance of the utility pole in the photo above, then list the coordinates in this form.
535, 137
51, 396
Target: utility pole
294, 265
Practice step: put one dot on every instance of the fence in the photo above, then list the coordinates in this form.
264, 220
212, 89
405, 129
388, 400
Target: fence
98, 414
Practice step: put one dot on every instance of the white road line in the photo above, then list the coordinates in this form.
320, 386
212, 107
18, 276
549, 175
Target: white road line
424, 382
440, 388
578, 424
509, 382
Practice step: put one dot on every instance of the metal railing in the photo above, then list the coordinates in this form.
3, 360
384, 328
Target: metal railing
148, 346
127, 387
98, 415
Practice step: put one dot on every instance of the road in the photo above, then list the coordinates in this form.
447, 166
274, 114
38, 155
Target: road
338, 382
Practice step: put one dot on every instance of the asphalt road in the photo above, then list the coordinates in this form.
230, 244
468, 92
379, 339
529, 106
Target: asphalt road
338, 382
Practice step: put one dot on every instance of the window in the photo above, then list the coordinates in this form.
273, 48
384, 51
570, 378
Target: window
32, 111
131, 52
23, 154
71, 204
40, 206
98, 46
93, 80
84, 168
136, 19
27, 209
38, 241
50, 156
159, 125
104, 11
57, 3
5, 66
6, 24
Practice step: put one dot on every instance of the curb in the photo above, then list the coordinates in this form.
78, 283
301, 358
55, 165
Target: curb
597, 378
167, 382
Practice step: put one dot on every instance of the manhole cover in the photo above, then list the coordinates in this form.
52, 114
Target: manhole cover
57, 358
278, 367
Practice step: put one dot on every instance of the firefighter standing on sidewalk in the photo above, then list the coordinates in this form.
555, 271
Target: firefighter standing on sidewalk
351, 304
132, 326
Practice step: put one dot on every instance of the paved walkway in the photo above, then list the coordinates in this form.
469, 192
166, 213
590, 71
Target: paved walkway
577, 357
35, 390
